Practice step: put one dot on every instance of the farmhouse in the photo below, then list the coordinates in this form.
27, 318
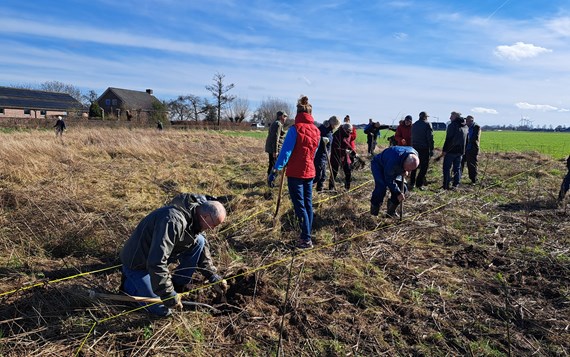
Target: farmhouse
129, 104
27, 103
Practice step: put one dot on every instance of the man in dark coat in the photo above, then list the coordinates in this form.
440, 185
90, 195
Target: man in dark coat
340, 155
372, 131
472, 149
59, 126
565, 183
453, 149
322, 156
389, 169
275, 139
169, 234
422, 142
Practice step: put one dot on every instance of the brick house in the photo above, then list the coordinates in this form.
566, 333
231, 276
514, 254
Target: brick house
129, 104
28, 103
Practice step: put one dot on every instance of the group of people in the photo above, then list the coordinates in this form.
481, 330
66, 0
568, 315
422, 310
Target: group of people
175, 232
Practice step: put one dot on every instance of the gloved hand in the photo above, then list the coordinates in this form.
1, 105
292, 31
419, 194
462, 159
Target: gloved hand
271, 179
174, 302
222, 285
325, 140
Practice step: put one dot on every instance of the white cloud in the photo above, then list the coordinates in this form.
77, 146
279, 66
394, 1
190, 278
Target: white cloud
540, 107
519, 51
560, 26
484, 110
400, 36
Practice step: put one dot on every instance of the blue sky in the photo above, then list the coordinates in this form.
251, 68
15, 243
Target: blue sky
494, 59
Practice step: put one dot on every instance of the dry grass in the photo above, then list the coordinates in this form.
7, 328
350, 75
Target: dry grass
480, 271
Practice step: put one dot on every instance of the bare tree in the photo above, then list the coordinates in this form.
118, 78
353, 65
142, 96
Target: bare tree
269, 107
219, 91
238, 110
60, 87
197, 106
179, 109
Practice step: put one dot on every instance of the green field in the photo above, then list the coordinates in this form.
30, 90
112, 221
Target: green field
556, 145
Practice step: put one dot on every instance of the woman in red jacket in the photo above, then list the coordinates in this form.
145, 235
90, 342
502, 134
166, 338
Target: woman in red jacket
404, 132
298, 151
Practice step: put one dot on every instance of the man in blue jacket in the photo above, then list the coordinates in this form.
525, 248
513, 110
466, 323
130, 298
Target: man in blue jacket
388, 167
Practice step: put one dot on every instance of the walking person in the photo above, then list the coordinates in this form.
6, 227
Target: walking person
372, 131
59, 127
565, 183
453, 150
389, 169
422, 142
404, 132
322, 156
298, 153
472, 148
275, 139
170, 234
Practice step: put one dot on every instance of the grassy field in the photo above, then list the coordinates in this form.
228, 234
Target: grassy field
555, 145
479, 271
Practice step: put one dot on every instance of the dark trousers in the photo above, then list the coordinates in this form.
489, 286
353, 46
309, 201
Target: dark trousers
321, 173
470, 158
565, 186
420, 180
271, 164
335, 164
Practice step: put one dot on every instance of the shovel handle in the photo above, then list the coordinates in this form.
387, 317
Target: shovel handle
93, 294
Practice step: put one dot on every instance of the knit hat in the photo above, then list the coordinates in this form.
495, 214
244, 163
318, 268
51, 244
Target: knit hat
303, 105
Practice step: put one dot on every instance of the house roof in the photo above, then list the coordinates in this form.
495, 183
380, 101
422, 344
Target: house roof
132, 99
36, 99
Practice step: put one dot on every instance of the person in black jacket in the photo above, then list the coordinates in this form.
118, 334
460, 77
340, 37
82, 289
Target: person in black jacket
422, 142
170, 234
322, 156
472, 149
565, 183
59, 126
453, 150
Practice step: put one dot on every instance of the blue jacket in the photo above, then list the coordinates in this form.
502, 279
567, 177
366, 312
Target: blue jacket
391, 162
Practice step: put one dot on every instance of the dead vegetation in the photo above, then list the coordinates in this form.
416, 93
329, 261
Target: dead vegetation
483, 271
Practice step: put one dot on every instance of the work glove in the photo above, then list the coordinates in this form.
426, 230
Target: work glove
174, 302
271, 179
221, 285
325, 140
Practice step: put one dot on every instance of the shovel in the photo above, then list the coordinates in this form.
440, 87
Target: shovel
127, 298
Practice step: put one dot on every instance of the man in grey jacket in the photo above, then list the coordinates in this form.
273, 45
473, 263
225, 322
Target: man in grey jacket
275, 139
169, 234
422, 142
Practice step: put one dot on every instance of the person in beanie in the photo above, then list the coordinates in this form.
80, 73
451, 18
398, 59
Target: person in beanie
170, 234
275, 139
565, 183
389, 169
322, 156
472, 148
59, 126
422, 142
453, 149
404, 132
298, 153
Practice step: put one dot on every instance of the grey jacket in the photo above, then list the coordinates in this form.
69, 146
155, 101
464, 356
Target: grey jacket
422, 135
275, 137
161, 236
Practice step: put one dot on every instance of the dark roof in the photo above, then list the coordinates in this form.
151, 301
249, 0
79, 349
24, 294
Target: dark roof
36, 99
133, 99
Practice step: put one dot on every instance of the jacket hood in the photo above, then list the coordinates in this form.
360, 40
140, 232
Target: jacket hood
186, 202
304, 118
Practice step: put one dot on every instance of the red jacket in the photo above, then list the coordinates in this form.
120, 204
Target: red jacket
353, 139
404, 132
301, 164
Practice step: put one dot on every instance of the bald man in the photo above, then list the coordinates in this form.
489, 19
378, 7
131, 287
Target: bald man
167, 235
389, 169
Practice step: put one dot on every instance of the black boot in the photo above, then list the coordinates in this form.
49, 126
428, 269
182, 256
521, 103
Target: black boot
391, 211
374, 209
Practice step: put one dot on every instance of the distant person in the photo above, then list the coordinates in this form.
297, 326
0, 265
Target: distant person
159, 125
353, 134
372, 131
167, 235
389, 169
275, 139
404, 132
453, 150
472, 148
340, 155
322, 156
59, 126
298, 152
422, 142
565, 183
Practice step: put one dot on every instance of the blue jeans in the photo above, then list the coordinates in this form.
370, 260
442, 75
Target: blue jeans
451, 160
301, 193
137, 282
